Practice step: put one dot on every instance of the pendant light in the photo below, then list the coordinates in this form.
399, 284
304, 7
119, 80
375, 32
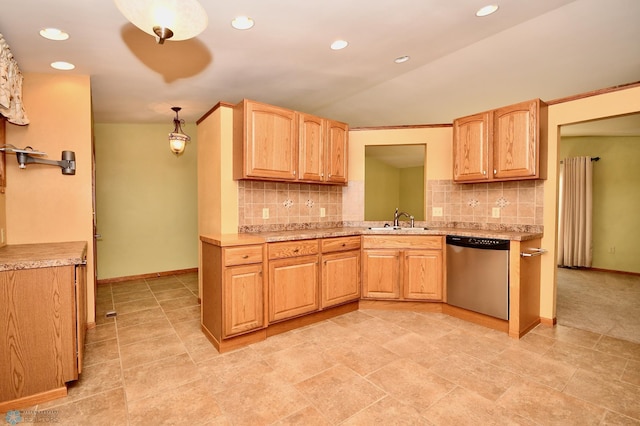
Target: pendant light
178, 139
166, 19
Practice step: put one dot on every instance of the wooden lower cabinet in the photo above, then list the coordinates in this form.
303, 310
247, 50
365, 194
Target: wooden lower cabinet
243, 300
340, 271
233, 290
422, 275
293, 287
44, 318
403, 267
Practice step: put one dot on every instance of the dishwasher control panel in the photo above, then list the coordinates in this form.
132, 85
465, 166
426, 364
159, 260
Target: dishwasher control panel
478, 242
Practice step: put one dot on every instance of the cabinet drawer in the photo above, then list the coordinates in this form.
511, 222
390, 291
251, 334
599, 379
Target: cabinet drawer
242, 255
292, 248
433, 242
340, 244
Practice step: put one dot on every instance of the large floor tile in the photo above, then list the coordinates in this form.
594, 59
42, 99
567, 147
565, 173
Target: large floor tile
149, 350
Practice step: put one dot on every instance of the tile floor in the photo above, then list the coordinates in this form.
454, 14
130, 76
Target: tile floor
151, 365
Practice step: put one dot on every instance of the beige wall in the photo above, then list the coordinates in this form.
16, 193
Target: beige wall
439, 163
590, 108
42, 204
146, 200
616, 202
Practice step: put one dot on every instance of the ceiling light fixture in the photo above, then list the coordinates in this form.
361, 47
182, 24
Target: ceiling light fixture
54, 34
487, 10
242, 23
401, 59
178, 139
166, 19
339, 44
62, 65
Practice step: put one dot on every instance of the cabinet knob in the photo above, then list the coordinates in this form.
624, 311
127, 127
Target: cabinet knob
296, 250
246, 256
344, 244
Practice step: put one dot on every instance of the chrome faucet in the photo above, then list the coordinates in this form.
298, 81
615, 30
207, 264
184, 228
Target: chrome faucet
397, 215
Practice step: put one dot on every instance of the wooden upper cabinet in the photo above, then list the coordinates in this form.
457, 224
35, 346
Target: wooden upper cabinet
265, 142
471, 147
312, 145
516, 141
337, 151
508, 143
277, 144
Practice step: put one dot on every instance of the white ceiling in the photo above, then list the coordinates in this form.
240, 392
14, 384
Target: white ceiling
460, 64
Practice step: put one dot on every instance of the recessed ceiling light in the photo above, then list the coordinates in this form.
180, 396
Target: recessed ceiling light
487, 10
401, 59
54, 34
242, 23
339, 44
61, 65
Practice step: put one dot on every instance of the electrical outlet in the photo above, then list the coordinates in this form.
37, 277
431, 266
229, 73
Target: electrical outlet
495, 212
323, 212
436, 212
612, 250
265, 213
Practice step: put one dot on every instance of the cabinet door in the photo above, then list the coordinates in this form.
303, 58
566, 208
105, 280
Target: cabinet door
340, 277
81, 312
422, 274
243, 299
293, 287
515, 141
381, 274
337, 152
471, 145
271, 142
311, 146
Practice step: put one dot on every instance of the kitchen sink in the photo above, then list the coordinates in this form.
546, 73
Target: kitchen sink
396, 228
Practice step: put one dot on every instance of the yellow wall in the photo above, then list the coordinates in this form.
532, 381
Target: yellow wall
42, 204
146, 200
590, 108
381, 190
616, 203
412, 192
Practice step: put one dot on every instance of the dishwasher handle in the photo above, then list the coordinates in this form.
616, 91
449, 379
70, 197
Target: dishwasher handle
534, 252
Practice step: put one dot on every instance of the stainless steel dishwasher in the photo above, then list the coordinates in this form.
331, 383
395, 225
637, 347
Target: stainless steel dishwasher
478, 275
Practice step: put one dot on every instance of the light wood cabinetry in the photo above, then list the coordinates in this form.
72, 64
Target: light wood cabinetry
402, 267
44, 319
277, 144
265, 142
340, 270
507, 143
233, 291
293, 279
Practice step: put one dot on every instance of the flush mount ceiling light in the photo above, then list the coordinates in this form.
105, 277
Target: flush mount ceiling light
242, 23
177, 139
62, 65
54, 34
487, 10
339, 44
166, 19
401, 59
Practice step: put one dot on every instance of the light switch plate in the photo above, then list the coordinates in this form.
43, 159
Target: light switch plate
323, 212
265, 213
495, 212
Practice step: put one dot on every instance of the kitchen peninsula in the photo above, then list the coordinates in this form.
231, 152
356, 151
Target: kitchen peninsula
43, 315
241, 303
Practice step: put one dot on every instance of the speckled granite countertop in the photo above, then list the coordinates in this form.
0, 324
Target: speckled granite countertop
29, 256
305, 234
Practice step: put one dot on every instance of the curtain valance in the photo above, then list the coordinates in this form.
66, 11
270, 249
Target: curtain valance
11, 105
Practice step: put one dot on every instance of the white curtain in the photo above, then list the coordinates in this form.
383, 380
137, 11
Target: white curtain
10, 87
574, 213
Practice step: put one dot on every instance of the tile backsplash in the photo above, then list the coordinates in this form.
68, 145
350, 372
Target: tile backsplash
515, 202
288, 204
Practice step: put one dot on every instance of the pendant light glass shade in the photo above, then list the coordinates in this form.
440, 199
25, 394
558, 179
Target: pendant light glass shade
178, 139
166, 19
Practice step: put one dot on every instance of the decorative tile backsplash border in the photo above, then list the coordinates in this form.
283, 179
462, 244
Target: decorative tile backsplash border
516, 203
291, 204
